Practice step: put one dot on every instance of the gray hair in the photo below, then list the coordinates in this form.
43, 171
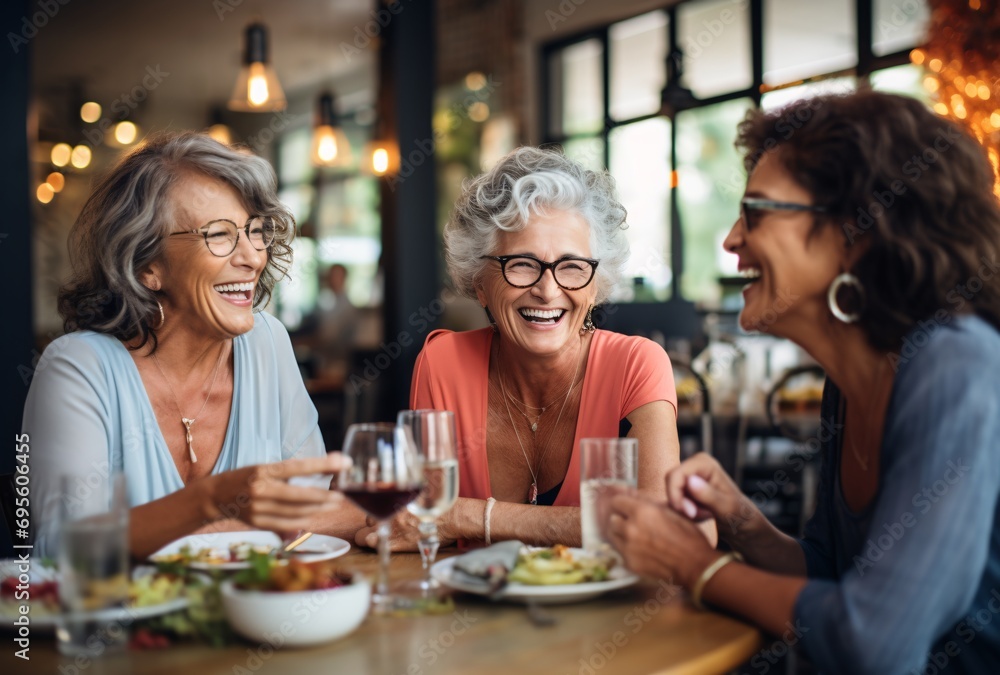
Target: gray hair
526, 181
123, 224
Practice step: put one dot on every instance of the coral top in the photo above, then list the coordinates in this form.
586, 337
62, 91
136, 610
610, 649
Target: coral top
451, 373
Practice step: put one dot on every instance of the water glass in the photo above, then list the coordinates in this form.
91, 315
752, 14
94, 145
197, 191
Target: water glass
433, 435
608, 466
93, 565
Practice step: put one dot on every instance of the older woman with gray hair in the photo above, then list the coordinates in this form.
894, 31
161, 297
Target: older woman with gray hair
167, 373
539, 242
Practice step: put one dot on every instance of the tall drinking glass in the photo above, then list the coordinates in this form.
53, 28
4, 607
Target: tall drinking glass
608, 466
93, 565
433, 435
384, 477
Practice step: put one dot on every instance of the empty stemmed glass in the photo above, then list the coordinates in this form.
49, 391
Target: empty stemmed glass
433, 434
384, 477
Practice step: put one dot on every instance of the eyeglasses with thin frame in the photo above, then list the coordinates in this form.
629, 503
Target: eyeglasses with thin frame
524, 271
749, 204
222, 236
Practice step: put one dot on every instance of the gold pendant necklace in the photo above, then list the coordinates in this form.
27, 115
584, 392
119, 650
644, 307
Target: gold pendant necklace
533, 491
189, 421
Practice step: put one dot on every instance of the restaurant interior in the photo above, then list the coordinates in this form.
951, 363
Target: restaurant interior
373, 114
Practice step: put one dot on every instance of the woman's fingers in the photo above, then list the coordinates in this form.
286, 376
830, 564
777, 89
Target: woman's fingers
288, 468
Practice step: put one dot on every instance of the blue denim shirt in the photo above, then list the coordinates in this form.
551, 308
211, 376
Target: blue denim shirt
914, 580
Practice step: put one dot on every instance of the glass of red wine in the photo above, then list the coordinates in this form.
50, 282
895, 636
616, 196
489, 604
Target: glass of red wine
386, 474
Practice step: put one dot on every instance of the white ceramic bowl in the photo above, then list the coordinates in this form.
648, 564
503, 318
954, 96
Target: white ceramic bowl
298, 618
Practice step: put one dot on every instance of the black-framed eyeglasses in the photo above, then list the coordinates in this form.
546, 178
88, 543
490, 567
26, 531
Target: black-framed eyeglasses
221, 236
749, 205
523, 271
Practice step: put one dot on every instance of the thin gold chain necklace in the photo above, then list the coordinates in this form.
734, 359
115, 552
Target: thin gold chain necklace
189, 421
524, 412
533, 493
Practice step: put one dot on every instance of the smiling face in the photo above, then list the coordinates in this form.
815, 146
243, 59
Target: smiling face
208, 294
544, 318
789, 271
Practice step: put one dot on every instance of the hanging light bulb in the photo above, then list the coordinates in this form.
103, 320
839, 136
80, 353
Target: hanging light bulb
381, 158
330, 146
257, 87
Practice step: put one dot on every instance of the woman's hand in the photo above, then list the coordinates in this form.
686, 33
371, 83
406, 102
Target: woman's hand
405, 533
655, 541
700, 489
261, 496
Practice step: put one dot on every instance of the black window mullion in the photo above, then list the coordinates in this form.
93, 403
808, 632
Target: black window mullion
606, 92
864, 17
757, 48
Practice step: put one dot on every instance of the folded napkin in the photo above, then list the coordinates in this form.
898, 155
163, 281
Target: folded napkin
486, 569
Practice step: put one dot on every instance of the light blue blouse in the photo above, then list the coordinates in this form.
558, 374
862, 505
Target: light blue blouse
87, 414
912, 583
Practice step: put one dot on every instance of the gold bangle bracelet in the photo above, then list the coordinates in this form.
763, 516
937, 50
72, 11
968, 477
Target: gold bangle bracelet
710, 572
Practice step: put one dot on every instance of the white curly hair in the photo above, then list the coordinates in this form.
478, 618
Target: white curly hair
530, 181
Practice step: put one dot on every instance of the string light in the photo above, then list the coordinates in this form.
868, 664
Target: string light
963, 57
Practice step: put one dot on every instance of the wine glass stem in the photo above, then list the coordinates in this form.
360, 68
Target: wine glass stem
429, 544
384, 532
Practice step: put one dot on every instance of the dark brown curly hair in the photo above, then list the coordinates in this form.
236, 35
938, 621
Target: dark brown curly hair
912, 189
122, 226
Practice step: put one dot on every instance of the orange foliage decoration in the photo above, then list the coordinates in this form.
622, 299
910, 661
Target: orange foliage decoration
962, 57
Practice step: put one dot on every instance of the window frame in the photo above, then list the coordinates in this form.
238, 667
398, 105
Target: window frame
680, 310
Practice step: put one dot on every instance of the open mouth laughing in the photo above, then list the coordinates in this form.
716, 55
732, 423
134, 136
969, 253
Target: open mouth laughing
548, 317
239, 293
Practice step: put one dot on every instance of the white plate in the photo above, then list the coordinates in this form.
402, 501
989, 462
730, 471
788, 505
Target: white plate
10, 608
8, 612
319, 547
546, 595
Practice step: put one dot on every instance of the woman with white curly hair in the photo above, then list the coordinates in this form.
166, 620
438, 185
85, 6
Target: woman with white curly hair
539, 241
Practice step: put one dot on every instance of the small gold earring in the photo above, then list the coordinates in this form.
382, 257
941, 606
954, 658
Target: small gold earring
588, 323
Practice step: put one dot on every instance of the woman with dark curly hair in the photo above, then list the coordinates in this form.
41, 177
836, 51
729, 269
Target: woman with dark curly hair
879, 218
167, 373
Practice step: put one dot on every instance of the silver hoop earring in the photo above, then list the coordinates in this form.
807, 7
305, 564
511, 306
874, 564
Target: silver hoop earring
845, 280
162, 318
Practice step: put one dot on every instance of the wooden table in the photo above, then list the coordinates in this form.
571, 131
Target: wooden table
646, 629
